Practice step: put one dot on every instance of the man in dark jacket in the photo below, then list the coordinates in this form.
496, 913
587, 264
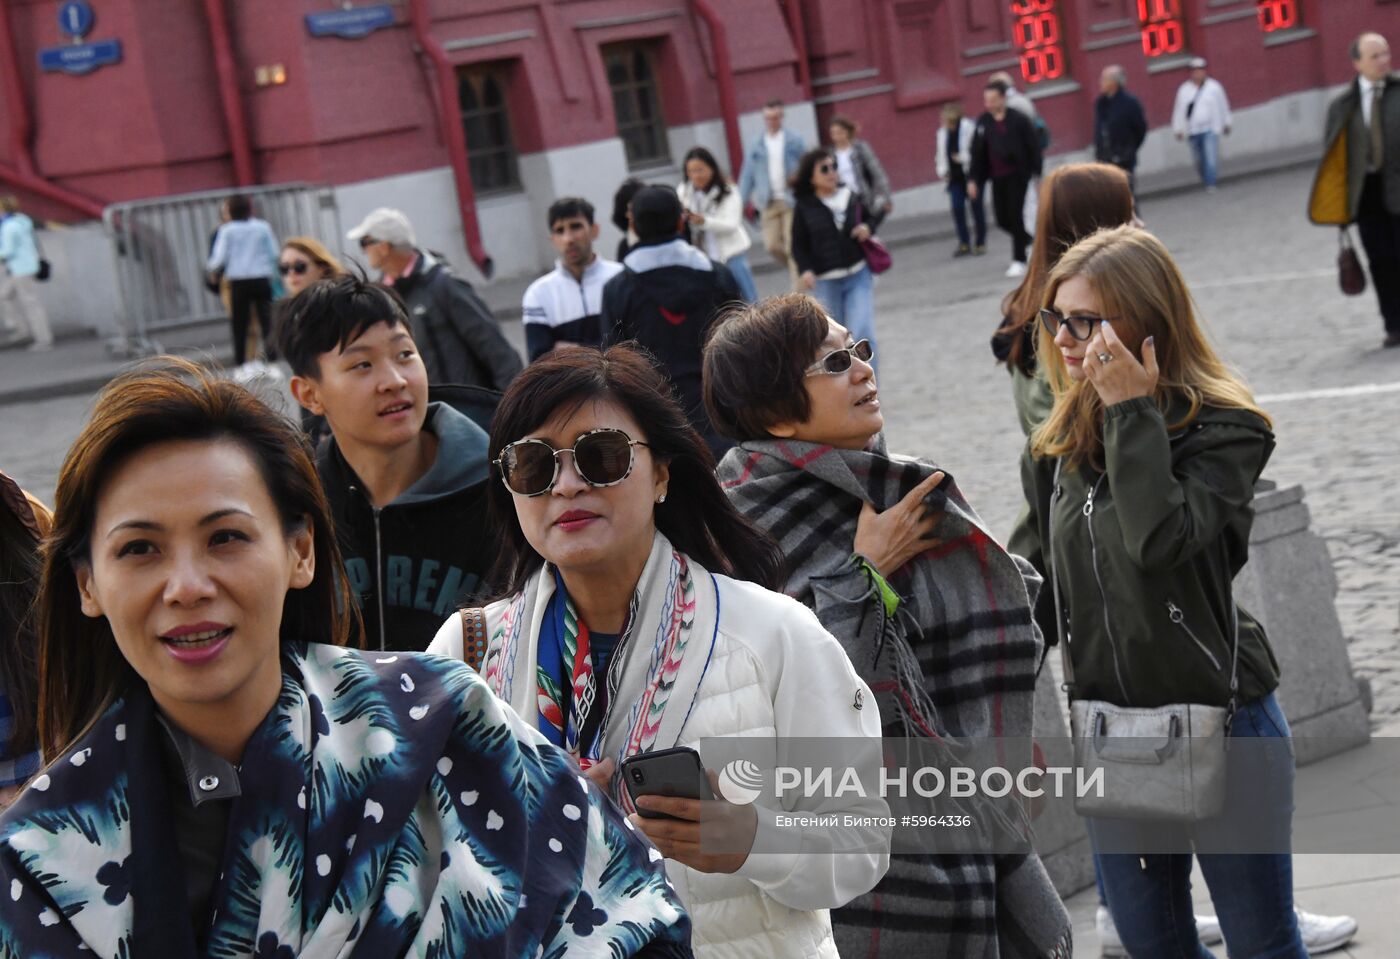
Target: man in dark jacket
1005, 150
1120, 125
1363, 148
455, 330
405, 477
666, 298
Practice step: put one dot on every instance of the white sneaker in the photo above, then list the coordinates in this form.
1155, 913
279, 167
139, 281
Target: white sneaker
1017, 268
1324, 933
1110, 945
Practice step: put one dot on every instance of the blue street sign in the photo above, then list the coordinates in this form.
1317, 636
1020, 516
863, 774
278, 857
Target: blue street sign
81, 58
350, 24
75, 18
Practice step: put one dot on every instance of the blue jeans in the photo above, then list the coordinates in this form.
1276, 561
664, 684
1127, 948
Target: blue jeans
739, 266
1206, 147
957, 193
850, 301
1150, 895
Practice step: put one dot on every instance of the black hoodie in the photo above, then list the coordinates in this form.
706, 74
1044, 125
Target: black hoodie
414, 562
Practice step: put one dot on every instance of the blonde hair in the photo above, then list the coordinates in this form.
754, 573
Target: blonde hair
1142, 292
315, 249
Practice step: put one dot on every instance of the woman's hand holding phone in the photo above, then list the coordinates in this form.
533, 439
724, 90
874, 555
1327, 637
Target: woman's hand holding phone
725, 825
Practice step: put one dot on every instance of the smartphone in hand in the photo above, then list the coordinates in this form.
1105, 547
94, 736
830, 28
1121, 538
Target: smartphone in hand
666, 772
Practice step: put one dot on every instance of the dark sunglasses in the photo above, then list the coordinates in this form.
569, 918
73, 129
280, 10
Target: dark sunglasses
602, 457
839, 361
1080, 327
367, 241
300, 267
825, 167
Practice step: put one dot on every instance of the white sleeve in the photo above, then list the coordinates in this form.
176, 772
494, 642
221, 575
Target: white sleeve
219, 255
1224, 105
448, 641
1183, 100
940, 151
817, 695
727, 217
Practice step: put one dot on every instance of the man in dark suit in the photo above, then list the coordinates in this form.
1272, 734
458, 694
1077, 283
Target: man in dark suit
1366, 118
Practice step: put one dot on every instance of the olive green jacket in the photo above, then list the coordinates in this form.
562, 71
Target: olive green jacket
1146, 554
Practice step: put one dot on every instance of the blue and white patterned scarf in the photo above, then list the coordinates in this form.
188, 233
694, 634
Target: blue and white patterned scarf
391, 806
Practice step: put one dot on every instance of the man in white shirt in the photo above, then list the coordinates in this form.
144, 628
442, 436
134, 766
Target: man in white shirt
764, 183
563, 307
1202, 112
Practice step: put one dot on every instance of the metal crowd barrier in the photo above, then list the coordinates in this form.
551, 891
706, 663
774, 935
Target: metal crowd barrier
161, 246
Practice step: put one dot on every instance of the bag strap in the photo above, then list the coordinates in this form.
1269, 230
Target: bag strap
1063, 640
473, 636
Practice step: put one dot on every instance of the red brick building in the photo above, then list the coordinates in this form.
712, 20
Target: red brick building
523, 100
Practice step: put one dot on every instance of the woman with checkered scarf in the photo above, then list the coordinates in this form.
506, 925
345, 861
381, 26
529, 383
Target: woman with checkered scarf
934, 614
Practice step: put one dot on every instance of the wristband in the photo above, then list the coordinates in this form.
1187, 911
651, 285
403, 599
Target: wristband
888, 597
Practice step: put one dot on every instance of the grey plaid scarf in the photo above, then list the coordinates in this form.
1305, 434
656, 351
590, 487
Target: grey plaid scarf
955, 663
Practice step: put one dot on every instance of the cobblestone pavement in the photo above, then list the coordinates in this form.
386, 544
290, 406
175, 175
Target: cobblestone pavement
1265, 283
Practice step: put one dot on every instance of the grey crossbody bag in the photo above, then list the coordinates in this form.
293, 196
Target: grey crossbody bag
1166, 763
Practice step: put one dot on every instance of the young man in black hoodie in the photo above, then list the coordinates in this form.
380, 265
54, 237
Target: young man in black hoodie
666, 298
406, 478
1005, 150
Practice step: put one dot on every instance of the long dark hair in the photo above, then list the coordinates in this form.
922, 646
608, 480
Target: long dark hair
81, 671
1075, 200
19, 581
802, 179
697, 517
717, 179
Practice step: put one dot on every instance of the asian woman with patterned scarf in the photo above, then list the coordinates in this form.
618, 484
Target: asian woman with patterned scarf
225, 778
635, 618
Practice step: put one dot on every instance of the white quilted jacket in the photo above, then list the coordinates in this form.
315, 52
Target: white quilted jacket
775, 672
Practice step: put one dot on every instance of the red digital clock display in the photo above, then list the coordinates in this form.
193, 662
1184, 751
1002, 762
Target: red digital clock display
1278, 15
1162, 29
1039, 39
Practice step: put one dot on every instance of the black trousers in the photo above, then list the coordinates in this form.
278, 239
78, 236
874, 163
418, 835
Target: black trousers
245, 296
1008, 202
1380, 237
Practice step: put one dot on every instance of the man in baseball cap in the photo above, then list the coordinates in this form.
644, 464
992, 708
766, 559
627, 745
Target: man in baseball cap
456, 334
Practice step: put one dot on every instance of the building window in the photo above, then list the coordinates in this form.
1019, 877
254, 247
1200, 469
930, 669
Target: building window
632, 77
486, 119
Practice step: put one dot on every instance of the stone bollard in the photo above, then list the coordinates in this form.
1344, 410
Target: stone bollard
1289, 585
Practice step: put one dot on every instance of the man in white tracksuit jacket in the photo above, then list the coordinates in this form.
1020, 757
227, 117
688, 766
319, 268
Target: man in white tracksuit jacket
1202, 112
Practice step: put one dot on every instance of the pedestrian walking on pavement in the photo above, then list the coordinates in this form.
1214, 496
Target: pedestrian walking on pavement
622, 215
859, 168
1078, 199
1018, 101
1202, 115
640, 613
245, 254
1359, 179
1006, 152
716, 217
24, 522
22, 315
764, 184
205, 721
829, 225
1120, 125
666, 299
952, 160
1139, 486
565, 306
944, 636
458, 338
